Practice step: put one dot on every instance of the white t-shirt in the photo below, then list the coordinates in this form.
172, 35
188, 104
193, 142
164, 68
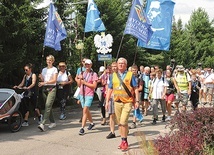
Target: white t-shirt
158, 88
63, 77
48, 73
209, 78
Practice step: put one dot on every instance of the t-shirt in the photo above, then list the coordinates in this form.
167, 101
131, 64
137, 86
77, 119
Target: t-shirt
146, 79
104, 77
63, 77
79, 70
139, 81
48, 73
158, 88
89, 77
209, 78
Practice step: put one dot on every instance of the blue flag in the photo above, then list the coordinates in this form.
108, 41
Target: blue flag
55, 30
93, 21
138, 24
159, 13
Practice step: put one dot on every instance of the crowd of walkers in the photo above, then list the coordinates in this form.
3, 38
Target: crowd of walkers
120, 90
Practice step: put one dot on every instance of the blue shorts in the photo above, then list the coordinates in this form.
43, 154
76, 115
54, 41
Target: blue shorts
86, 101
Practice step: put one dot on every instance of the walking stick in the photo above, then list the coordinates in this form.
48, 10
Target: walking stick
119, 47
37, 87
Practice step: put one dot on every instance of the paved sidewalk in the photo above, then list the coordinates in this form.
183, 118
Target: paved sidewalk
64, 139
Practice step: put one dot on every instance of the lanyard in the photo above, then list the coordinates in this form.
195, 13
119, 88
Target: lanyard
122, 76
86, 76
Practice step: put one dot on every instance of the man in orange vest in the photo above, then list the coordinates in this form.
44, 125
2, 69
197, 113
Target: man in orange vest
124, 87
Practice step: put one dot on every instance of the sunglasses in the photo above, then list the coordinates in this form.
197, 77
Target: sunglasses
26, 70
61, 66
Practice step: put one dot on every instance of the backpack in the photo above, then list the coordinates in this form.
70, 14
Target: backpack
163, 79
171, 87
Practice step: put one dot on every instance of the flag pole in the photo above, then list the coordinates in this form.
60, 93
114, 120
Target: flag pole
135, 55
119, 47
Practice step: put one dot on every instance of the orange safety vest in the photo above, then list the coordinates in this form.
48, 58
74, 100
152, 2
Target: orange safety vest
120, 93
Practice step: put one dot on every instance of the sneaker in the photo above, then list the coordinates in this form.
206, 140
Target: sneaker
111, 135
103, 122
41, 127
124, 146
154, 121
133, 126
40, 119
82, 131
120, 146
163, 118
62, 116
149, 108
80, 121
25, 123
90, 127
168, 118
204, 103
52, 125
177, 112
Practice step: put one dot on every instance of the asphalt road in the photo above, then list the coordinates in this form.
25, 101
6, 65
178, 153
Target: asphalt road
65, 140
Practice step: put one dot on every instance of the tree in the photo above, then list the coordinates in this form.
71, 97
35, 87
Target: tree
199, 33
22, 30
193, 43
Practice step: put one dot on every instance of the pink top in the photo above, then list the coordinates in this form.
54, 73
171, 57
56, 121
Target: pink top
89, 77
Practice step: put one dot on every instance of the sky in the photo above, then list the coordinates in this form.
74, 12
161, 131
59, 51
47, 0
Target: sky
183, 8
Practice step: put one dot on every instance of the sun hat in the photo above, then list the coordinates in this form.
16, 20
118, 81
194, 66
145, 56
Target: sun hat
102, 68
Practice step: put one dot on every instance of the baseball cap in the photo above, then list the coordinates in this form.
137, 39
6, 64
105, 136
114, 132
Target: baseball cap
88, 61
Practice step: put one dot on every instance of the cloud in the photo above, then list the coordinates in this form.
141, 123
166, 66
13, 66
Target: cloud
184, 8
44, 4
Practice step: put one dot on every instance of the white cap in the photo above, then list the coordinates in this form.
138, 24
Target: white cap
181, 68
88, 61
102, 68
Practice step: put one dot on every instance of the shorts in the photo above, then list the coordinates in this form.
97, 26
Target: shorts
183, 98
111, 107
170, 97
86, 101
203, 86
145, 96
122, 112
145, 100
208, 90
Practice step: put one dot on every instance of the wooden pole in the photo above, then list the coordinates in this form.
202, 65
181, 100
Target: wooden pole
119, 47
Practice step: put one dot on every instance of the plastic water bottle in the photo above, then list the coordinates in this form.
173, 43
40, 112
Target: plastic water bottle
138, 114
